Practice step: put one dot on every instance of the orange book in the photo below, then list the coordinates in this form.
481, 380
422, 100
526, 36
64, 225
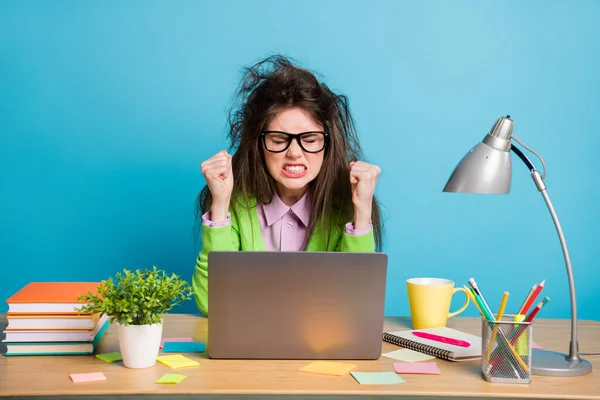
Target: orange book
50, 297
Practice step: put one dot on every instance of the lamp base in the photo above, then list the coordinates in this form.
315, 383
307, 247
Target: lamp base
551, 363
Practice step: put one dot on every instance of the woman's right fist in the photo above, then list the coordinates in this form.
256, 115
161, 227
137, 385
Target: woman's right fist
219, 178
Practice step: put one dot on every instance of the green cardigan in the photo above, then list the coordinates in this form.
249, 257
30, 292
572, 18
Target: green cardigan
243, 234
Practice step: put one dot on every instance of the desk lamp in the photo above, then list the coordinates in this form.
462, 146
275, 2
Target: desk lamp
487, 168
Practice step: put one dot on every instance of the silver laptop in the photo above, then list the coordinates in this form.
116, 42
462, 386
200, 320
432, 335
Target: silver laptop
296, 305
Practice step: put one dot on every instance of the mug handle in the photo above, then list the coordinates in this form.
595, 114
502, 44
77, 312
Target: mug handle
464, 305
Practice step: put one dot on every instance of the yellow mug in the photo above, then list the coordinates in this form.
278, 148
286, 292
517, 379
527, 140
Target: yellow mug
429, 300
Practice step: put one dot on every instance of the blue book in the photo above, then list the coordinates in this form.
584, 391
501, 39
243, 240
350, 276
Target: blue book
184, 347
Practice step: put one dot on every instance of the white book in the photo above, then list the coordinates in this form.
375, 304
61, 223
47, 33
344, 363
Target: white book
30, 336
51, 322
56, 348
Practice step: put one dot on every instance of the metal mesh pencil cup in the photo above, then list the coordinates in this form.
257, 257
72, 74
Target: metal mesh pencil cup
506, 350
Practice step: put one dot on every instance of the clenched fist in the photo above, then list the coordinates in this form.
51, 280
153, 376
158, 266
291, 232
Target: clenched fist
363, 178
218, 174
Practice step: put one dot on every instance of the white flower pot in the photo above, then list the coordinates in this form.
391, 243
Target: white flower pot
139, 344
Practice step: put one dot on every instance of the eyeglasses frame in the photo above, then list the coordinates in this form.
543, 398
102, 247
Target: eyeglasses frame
292, 136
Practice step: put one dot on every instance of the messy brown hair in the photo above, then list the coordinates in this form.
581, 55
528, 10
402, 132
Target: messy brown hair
267, 88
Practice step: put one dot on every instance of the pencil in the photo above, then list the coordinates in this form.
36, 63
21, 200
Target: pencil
531, 299
514, 335
527, 299
537, 309
498, 318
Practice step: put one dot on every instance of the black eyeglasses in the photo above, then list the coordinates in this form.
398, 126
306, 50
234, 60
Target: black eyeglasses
311, 142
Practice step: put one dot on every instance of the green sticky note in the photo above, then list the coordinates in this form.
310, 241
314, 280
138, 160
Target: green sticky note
109, 357
377, 378
171, 378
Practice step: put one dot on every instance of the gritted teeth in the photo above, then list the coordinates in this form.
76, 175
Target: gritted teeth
295, 168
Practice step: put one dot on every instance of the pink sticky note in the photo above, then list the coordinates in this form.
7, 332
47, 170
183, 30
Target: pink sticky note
91, 377
535, 346
174, 339
429, 368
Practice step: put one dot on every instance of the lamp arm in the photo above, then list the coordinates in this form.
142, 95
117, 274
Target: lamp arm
539, 182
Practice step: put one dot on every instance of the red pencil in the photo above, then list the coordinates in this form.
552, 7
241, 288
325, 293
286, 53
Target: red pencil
537, 309
527, 298
531, 298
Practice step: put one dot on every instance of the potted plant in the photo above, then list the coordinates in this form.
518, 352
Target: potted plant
135, 301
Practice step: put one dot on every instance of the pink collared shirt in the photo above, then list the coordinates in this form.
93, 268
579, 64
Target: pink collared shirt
283, 228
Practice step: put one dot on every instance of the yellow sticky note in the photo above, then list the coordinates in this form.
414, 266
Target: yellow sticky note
171, 378
176, 361
328, 368
109, 357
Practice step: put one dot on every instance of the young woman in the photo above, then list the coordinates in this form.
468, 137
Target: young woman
295, 181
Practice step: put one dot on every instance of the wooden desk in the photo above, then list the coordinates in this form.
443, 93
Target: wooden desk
49, 375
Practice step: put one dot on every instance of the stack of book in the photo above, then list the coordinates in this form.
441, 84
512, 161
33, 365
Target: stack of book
43, 320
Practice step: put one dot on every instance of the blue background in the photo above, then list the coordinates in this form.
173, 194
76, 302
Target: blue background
108, 108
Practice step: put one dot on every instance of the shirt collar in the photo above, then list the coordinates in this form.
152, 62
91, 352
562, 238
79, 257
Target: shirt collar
276, 209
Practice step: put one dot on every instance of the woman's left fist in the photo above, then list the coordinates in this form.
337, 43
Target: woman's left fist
363, 178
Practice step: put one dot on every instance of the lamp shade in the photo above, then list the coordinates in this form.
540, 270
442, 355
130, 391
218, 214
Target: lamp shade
487, 167
483, 169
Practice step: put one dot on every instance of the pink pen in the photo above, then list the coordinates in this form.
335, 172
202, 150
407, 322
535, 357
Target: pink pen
442, 339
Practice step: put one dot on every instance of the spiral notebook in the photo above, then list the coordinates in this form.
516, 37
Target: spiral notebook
438, 349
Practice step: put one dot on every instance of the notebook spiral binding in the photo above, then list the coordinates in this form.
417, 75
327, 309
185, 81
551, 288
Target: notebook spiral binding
423, 348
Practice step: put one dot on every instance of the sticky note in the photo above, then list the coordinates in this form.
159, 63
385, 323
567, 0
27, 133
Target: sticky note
91, 377
174, 339
176, 361
110, 357
428, 368
184, 347
171, 378
407, 355
377, 378
535, 346
328, 368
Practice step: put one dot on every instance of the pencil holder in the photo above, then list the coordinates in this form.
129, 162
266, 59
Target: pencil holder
506, 350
